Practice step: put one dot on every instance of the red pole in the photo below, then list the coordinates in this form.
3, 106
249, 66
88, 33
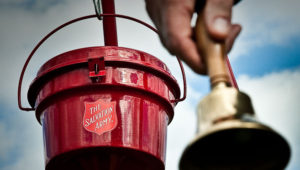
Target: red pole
109, 23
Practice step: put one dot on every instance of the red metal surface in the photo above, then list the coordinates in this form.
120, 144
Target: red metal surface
143, 89
139, 84
96, 65
33, 52
231, 75
109, 24
76, 20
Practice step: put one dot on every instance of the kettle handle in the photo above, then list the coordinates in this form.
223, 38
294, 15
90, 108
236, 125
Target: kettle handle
79, 19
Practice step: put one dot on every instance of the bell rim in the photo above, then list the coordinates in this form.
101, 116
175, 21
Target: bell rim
234, 124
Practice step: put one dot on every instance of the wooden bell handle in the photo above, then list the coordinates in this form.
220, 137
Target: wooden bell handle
213, 53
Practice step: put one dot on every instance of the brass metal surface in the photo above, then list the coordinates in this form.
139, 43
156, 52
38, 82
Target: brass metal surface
213, 52
229, 137
223, 103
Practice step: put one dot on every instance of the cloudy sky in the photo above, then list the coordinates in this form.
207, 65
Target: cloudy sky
265, 60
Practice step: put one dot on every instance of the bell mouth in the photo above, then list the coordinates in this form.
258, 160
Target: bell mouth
236, 145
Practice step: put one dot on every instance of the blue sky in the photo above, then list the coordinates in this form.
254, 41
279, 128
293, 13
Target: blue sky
265, 60
269, 58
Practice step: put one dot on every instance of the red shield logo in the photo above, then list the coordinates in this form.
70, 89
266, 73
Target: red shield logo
99, 116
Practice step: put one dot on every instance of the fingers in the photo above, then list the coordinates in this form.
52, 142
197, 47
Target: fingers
186, 49
173, 21
154, 9
176, 33
217, 16
235, 30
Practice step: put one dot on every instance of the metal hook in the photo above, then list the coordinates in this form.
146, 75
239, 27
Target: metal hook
98, 8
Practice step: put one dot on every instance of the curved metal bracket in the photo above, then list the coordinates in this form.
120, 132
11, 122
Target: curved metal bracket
98, 8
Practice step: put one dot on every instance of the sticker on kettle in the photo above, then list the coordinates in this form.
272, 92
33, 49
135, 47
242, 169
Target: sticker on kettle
100, 116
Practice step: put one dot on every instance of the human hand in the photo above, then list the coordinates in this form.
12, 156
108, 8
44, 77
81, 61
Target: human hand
173, 21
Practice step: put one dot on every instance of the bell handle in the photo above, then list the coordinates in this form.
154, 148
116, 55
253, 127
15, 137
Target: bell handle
213, 52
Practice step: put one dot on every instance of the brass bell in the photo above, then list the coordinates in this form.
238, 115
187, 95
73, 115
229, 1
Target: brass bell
229, 137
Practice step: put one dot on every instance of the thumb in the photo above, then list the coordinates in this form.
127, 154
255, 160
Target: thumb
217, 18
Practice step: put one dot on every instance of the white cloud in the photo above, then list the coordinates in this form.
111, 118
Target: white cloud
21, 143
6, 145
276, 101
180, 132
266, 22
